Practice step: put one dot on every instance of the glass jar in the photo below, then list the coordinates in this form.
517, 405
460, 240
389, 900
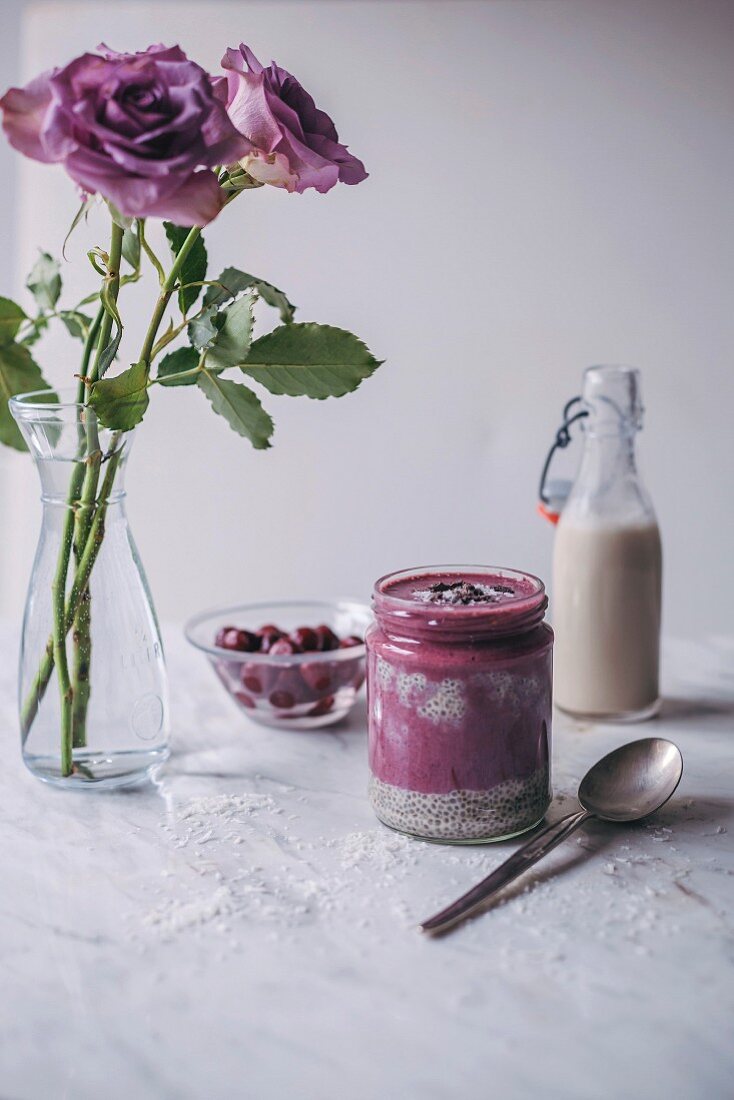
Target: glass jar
459, 665
607, 567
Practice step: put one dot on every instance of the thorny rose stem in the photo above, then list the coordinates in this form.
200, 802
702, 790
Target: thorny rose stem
31, 706
81, 632
65, 611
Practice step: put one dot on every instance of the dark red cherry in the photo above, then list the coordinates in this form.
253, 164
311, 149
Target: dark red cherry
243, 641
288, 681
318, 676
305, 638
283, 647
322, 707
351, 640
327, 639
281, 700
253, 678
269, 638
245, 700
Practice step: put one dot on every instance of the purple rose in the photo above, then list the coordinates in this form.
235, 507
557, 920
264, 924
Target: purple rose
296, 145
143, 130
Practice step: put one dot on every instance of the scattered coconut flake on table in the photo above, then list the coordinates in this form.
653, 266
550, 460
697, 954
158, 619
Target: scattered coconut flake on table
176, 915
375, 846
282, 877
199, 820
226, 805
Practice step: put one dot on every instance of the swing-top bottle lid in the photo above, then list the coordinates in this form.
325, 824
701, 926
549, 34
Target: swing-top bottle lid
609, 405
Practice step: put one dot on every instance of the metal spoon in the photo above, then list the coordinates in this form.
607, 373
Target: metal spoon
626, 785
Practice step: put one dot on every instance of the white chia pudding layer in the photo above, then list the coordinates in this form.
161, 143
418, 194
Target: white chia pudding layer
508, 808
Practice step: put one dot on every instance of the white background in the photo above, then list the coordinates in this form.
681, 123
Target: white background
550, 187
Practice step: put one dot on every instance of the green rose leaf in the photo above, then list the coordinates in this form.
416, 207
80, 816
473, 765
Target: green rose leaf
77, 323
233, 282
131, 247
194, 267
81, 213
35, 332
19, 373
233, 339
308, 360
204, 329
44, 281
11, 318
120, 402
183, 359
108, 355
239, 406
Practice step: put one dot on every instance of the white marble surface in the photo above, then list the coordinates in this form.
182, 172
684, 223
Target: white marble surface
153, 948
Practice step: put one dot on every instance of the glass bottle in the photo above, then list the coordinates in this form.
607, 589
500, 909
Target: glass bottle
103, 720
607, 569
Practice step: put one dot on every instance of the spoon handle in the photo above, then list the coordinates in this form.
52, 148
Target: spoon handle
542, 843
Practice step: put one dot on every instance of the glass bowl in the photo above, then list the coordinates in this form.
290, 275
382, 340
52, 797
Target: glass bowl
290, 691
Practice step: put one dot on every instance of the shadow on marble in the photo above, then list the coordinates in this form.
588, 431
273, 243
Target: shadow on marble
683, 709
590, 842
691, 808
596, 836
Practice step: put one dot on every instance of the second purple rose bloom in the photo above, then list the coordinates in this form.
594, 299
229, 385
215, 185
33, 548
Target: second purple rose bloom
296, 145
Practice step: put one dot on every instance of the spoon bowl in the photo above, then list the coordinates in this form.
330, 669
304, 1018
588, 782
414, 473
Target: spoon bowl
633, 781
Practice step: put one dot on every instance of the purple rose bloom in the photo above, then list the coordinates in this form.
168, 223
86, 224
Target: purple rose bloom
143, 130
296, 145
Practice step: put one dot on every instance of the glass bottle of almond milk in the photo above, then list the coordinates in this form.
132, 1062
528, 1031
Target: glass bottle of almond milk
607, 567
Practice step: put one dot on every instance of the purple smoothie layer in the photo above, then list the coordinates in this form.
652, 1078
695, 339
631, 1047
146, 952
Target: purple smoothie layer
466, 723
459, 693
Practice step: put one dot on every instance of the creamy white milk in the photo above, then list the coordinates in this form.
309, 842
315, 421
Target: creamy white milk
606, 614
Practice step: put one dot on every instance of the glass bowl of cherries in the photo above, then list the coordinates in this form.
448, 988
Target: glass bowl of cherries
294, 665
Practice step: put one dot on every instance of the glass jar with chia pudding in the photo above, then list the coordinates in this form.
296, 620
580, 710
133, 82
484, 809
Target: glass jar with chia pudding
459, 695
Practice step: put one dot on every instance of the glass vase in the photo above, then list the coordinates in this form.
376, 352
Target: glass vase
92, 687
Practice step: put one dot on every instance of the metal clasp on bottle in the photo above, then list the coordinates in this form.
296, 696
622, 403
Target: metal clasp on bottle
553, 493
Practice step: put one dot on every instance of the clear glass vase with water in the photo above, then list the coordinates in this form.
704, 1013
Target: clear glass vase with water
92, 687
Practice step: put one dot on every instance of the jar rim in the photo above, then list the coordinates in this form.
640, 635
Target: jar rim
514, 614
